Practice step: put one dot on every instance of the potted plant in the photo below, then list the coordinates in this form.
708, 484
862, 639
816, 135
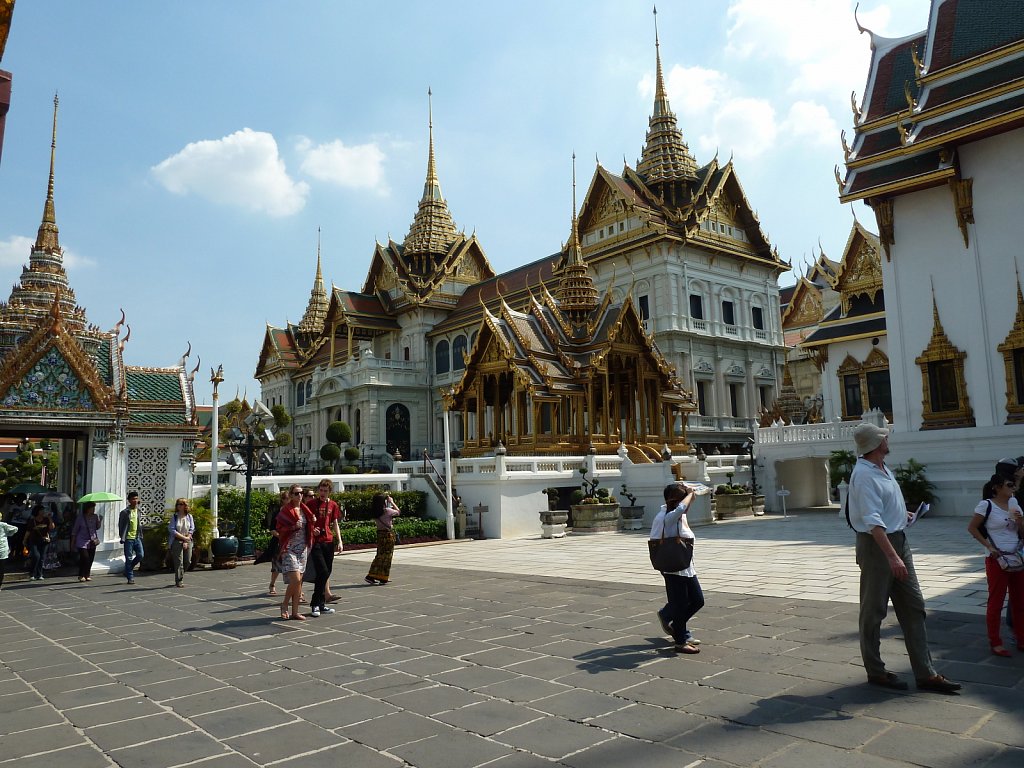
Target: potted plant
593, 510
732, 500
631, 516
917, 488
552, 519
840, 465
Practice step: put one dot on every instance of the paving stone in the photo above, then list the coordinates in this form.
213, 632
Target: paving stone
489, 717
650, 723
173, 689
227, 723
45, 739
738, 744
1002, 728
552, 737
523, 689
353, 708
124, 734
1007, 758
13, 702
934, 749
930, 711
82, 756
451, 750
30, 717
348, 754
836, 729
808, 755
666, 693
208, 701
300, 694
474, 677
580, 705
183, 748
100, 694
279, 744
621, 751
391, 730
433, 699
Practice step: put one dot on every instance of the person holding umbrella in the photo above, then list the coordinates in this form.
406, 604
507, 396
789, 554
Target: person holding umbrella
85, 537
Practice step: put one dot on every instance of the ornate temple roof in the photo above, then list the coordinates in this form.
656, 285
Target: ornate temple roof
316, 310
665, 157
957, 81
44, 280
432, 231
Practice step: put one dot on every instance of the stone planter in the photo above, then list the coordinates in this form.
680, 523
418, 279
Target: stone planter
758, 504
595, 518
631, 518
552, 523
223, 546
733, 505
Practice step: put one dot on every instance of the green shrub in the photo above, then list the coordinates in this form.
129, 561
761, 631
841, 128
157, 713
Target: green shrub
351, 453
916, 487
353, 533
840, 465
349, 469
358, 503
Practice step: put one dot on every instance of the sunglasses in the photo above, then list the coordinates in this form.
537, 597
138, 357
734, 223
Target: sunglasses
296, 493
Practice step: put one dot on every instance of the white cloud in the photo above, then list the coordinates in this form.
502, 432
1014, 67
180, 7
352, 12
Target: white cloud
14, 252
691, 90
809, 121
241, 169
360, 166
814, 42
742, 125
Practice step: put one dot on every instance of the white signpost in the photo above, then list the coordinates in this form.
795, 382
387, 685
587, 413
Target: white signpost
782, 493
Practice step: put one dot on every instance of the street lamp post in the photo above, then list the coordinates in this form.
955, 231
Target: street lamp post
245, 446
450, 514
216, 377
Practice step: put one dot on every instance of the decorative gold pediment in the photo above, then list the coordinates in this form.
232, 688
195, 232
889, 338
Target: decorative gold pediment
861, 275
608, 208
1012, 350
805, 308
944, 400
850, 365
876, 360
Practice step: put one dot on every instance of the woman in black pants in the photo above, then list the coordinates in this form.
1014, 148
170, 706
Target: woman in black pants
85, 535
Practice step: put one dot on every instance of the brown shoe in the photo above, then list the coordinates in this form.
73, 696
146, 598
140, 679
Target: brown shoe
888, 680
938, 684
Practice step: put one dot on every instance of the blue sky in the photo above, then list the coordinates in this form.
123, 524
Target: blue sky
201, 144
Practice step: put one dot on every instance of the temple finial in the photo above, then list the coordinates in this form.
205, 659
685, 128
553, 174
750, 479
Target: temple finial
47, 238
659, 85
433, 229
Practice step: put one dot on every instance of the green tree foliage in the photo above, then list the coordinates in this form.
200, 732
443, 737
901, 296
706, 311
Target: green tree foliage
281, 417
351, 453
26, 466
840, 465
339, 432
329, 452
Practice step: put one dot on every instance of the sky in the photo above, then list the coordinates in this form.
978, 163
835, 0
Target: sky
201, 146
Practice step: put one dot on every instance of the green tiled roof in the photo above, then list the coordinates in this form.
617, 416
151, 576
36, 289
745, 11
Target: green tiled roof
153, 385
149, 417
102, 361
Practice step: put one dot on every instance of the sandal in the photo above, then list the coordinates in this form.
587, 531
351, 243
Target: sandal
998, 650
888, 680
271, 591
297, 617
285, 614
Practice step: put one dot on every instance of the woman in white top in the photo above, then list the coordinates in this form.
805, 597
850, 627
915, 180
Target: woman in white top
180, 531
1000, 533
682, 589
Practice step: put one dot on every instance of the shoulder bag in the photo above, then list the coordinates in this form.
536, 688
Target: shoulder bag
672, 554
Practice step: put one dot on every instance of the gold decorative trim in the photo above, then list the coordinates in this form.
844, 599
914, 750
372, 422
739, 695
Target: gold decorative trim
886, 225
1012, 350
939, 362
876, 360
963, 204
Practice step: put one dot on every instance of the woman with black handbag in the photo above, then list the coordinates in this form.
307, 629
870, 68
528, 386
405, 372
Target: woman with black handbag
671, 553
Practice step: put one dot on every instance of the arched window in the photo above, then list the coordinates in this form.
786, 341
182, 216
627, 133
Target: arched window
442, 363
300, 394
359, 428
309, 391
458, 349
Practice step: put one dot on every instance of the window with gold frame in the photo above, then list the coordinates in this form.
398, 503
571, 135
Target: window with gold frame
1012, 350
944, 400
865, 385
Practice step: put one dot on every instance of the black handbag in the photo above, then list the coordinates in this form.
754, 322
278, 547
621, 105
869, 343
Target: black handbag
670, 555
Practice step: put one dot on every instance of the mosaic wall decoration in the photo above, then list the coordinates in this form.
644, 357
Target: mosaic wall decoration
147, 474
51, 383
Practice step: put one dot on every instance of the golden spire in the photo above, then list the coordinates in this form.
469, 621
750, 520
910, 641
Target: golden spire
316, 310
433, 230
577, 295
665, 157
47, 239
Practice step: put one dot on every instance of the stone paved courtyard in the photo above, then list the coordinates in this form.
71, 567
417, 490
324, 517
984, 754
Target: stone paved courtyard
463, 662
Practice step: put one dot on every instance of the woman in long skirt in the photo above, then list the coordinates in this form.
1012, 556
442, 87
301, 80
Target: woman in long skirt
384, 512
295, 526
85, 538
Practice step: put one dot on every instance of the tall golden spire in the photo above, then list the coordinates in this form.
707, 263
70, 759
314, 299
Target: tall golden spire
433, 230
577, 295
47, 237
316, 310
666, 157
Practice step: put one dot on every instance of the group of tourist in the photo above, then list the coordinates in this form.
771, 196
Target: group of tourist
307, 535
878, 513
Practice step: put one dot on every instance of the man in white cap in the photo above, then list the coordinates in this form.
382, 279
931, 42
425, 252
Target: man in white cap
879, 515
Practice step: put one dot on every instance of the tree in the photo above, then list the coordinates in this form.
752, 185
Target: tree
26, 466
338, 433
